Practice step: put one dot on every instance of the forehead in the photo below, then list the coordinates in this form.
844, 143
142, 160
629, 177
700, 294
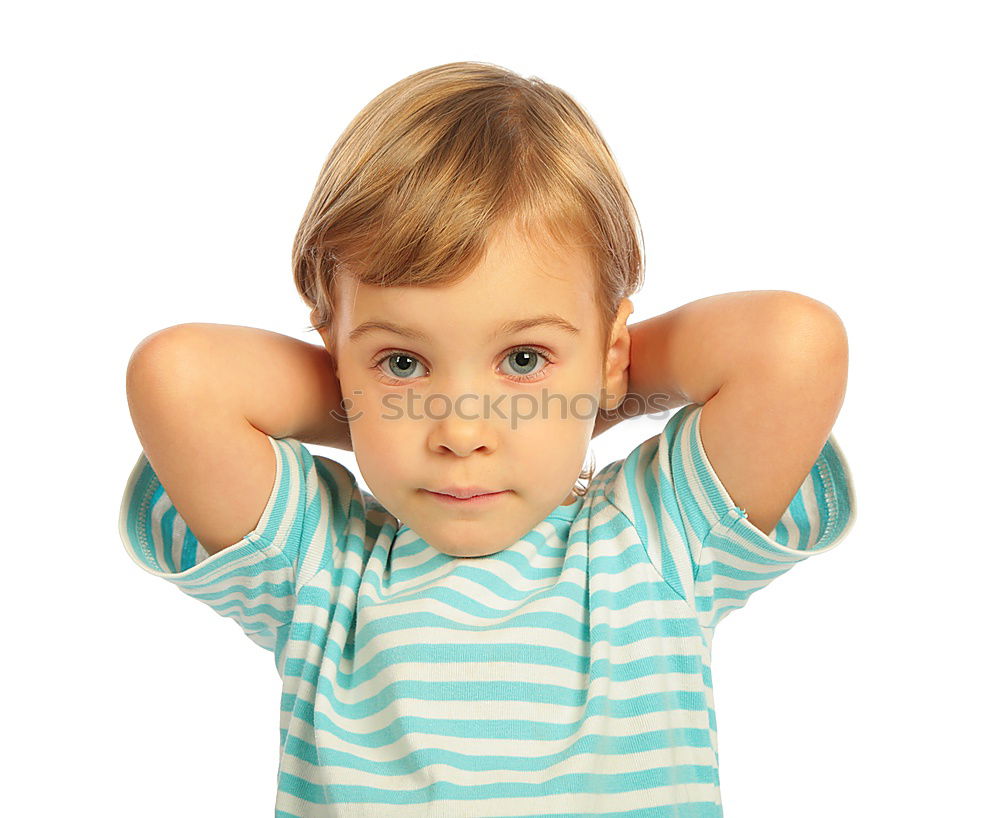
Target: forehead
515, 280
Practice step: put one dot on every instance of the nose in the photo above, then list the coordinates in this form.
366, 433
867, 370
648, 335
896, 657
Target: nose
460, 426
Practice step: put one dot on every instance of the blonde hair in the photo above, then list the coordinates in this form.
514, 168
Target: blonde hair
415, 187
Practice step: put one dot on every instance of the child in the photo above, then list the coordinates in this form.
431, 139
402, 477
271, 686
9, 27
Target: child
544, 648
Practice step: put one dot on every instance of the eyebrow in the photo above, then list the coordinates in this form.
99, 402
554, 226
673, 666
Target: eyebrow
507, 328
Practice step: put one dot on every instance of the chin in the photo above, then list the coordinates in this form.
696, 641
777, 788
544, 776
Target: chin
474, 556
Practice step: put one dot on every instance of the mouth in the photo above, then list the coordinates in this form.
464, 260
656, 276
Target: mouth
475, 500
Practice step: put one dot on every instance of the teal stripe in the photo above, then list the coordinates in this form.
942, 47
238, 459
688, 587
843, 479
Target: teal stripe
577, 783
428, 755
596, 704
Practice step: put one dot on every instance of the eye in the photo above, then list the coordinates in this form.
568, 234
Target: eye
523, 360
401, 365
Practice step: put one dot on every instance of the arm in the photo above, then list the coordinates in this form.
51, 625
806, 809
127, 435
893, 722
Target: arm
770, 367
203, 397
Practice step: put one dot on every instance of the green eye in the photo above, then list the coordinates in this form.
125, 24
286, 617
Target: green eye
408, 365
524, 360
400, 366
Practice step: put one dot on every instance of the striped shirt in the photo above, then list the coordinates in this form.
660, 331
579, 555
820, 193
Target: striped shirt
567, 675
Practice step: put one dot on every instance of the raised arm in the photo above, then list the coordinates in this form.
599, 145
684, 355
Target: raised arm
203, 397
770, 367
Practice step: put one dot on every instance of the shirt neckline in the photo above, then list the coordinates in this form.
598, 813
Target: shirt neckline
567, 512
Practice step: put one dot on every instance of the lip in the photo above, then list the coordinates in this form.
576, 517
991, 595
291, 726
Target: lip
477, 500
464, 492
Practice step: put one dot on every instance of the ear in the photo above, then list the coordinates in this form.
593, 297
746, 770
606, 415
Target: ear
314, 322
617, 359
327, 335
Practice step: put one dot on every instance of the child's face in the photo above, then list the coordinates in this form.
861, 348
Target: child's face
464, 409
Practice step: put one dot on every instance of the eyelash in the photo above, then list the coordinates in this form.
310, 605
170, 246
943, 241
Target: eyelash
377, 366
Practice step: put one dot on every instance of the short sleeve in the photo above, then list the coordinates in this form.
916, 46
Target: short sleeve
255, 581
702, 543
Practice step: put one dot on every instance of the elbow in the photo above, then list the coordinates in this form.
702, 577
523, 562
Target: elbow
802, 333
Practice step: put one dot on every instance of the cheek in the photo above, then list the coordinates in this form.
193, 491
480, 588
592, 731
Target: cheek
385, 454
384, 435
550, 444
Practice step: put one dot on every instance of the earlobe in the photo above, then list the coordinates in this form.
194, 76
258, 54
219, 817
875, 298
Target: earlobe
615, 378
618, 359
324, 334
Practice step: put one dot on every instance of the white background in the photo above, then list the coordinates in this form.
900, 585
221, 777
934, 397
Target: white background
157, 158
